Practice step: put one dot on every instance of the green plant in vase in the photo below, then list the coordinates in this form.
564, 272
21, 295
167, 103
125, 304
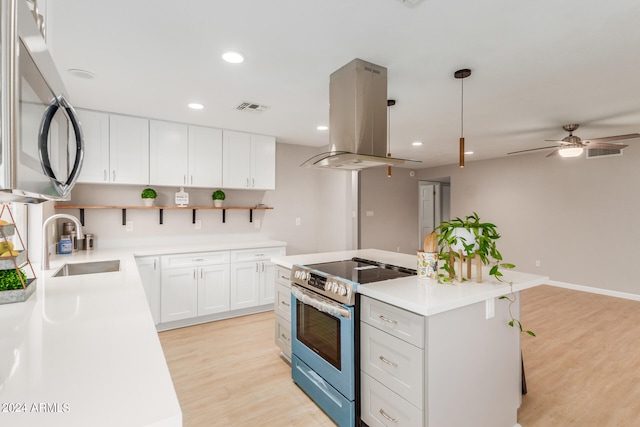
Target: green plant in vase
148, 196
218, 197
469, 237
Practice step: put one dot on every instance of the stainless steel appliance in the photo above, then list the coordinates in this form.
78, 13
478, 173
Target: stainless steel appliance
324, 319
41, 147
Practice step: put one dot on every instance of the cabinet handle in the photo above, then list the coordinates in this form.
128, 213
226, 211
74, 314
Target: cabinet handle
284, 303
384, 414
104, 175
201, 273
154, 264
285, 277
387, 361
285, 337
259, 255
114, 175
253, 182
247, 182
194, 273
191, 179
262, 266
257, 267
184, 179
197, 260
386, 319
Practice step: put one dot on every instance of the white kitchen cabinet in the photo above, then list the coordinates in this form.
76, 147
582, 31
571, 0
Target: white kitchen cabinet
149, 270
282, 309
95, 129
194, 284
128, 150
116, 148
249, 161
205, 157
253, 277
168, 153
184, 155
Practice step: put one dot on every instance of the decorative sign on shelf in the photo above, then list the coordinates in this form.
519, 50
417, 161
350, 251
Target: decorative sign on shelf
182, 198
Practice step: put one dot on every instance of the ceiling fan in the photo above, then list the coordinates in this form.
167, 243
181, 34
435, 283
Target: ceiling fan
573, 146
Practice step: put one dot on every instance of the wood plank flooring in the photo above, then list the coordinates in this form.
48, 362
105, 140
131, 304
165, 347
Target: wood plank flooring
583, 368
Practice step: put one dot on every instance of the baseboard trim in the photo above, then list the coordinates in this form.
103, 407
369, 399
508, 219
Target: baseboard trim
599, 291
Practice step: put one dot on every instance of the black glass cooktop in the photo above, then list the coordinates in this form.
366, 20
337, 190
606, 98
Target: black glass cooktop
362, 271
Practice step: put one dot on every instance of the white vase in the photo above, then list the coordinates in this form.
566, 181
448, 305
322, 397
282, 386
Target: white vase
148, 202
218, 203
465, 236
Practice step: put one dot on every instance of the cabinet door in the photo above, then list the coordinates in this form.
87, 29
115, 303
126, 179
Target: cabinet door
168, 153
237, 159
213, 289
263, 162
205, 157
179, 294
245, 288
149, 269
95, 128
267, 282
128, 149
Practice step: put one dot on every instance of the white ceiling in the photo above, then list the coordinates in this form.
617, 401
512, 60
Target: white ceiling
536, 66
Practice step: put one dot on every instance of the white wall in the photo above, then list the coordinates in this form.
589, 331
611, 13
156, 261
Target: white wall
300, 193
577, 216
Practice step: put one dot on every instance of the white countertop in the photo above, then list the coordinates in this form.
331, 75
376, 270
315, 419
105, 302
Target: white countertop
84, 351
422, 296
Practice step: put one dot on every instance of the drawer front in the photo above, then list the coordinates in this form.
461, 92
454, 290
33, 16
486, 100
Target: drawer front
283, 335
195, 259
282, 303
284, 276
398, 322
395, 363
256, 254
381, 407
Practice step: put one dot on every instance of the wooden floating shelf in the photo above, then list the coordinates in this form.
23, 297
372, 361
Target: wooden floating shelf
161, 210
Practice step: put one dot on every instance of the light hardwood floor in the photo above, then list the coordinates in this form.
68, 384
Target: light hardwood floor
583, 368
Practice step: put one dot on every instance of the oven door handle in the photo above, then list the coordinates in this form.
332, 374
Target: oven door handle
321, 304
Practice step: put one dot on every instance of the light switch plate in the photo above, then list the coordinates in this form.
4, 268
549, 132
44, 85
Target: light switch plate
129, 226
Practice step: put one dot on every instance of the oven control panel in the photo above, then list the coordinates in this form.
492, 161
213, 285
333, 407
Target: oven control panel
331, 287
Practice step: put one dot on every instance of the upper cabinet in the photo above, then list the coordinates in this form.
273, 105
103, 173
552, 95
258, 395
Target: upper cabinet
116, 148
184, 155
249, 161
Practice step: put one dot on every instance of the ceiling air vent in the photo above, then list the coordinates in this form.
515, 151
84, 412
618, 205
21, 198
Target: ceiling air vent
252, 107
594, 153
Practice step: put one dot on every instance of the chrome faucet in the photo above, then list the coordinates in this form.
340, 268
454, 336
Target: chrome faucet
45, 236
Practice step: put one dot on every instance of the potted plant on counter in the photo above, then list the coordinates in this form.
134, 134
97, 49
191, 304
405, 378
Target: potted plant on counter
149, 196
473, 239
218, 197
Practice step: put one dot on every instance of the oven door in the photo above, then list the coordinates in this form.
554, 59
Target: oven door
323, 338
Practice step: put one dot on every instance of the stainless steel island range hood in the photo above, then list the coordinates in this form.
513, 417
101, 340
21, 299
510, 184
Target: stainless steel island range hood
357, 119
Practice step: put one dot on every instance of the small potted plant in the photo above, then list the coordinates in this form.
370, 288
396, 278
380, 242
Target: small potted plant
218, 197
149, 196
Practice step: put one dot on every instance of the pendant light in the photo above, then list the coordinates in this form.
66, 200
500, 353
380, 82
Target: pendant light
390, 103
462, 74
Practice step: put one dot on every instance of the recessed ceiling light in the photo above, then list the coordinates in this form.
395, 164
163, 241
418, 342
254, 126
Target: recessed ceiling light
233, 57
322, 127
416, 143
468, 152
83, 74
196, 106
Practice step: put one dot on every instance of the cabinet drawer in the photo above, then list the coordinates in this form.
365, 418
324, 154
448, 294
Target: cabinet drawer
256, 254
284, 276
195, 258
283, 335
381, 407
395, 363
282, 303
398, 322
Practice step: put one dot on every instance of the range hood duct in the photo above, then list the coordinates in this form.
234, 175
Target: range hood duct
357, 119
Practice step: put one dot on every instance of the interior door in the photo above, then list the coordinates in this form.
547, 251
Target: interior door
429, 210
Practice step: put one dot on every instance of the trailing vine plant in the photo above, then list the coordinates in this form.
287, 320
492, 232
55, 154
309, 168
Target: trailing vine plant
485, 235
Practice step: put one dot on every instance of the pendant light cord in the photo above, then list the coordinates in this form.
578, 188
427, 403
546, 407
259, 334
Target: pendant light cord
462, 109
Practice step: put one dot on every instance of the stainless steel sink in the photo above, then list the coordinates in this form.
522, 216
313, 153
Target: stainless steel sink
88, 268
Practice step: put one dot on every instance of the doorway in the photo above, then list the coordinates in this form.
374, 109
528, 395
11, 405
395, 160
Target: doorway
434, 206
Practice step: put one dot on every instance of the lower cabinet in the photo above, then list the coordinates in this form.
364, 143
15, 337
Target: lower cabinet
254, 280
282, 308
149, 270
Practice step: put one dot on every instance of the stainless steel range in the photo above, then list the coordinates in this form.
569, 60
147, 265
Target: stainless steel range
324, 320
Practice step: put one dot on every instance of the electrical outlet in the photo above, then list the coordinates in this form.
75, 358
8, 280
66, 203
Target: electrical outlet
129, 226
369, 213
256, 223
297, 221
538, 263
198, 224
490, 306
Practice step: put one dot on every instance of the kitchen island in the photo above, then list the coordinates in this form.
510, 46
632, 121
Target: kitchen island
435, 354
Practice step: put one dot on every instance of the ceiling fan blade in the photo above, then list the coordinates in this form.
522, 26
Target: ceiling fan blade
604, 146
559, 141
533, 149
553, 153
613, 138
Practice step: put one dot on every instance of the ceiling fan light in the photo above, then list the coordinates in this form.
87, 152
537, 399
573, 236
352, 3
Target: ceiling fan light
570, 151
